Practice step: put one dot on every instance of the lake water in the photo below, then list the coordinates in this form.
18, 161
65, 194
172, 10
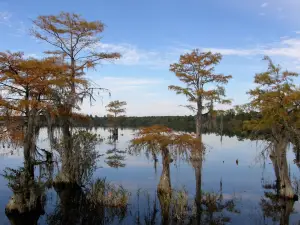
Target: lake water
242, 181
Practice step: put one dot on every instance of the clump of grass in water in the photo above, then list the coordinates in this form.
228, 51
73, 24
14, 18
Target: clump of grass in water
106, 194
180, 205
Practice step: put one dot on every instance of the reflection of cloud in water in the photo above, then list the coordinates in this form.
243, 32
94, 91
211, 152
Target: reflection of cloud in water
239, 181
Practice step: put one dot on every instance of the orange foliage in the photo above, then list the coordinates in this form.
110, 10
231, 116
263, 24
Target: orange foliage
28, 83
196, 70
75, 40
158, 137
27, 87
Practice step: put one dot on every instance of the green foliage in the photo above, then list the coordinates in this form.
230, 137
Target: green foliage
277, 99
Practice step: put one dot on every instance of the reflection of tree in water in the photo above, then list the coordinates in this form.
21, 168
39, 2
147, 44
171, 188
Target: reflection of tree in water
197, 157
28, 200
178, 208
214, 207
115, 156
209, 207
276, 208
79, 200
162, 140
273, 204
175, 206
75, 207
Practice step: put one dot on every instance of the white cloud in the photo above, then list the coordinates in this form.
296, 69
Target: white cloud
130, 81
132, 55
159, 108
228, 51
5, 18
33, 55
123, 85
134, 90
284, 47
265, 4
148, 96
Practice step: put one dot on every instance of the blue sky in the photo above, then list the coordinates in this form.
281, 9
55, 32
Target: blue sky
152, 34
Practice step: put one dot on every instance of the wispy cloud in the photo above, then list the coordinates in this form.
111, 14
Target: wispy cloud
132, 55
137, 91
20, 29
229, 51
130, 81
286, 47
264, 5
140, 92
127, 85
5, 18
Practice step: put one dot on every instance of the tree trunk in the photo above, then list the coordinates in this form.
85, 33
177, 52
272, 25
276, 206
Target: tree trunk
155, 160
164, 185
286, 210
276, 170
280, 150
27, 203
164, 202
30, 142
67, 141
66, 119
115, 133
196, 160
199, 118
72, 200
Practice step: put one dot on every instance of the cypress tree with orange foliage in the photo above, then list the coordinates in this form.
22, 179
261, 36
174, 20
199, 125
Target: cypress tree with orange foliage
75, 40
197, 71
163, 140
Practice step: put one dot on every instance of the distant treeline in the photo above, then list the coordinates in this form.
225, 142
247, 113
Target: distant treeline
229, 123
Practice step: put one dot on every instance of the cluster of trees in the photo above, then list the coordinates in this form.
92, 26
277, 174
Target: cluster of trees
272, 114
50, 91
35, 90
230, 122
55, 85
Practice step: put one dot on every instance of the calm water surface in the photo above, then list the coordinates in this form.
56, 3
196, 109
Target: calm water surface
243, 180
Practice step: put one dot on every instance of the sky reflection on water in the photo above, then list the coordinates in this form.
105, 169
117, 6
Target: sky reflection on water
243, 180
